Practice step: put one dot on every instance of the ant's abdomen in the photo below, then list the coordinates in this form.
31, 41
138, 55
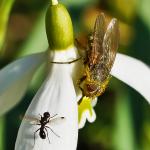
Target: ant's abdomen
42, 134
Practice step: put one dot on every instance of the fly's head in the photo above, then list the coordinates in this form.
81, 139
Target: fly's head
94, 88
90, 89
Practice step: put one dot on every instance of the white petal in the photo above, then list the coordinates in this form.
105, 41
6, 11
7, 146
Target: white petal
134, 73
86, 111
65, 56
57, 96
14, 79
86, 116
94, 101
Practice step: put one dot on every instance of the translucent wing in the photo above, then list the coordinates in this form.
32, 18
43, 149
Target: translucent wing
56, 121
81, 44
31, 119
110, 43
107, 51
96, 53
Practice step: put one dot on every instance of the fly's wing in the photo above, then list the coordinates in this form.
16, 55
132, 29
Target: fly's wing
110, 43
81, 44
31, 119
56, 121
96, 53
108, 48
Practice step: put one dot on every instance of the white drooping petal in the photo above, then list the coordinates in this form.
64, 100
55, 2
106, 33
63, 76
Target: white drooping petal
134, 73
57, 96
87, 116
15, 78
86, 110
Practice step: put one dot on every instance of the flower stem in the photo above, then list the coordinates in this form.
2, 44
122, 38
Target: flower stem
5, 8
2, 137
53, 2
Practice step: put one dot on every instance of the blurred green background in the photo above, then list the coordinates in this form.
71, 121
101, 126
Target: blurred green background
123, 115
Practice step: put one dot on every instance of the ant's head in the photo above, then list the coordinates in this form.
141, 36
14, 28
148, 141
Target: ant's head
46, 114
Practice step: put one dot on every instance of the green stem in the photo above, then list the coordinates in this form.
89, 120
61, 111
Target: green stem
53, 2
5, 8
2, 137
124, 138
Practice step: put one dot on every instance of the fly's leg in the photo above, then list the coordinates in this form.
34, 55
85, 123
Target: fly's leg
52, 131
68, 62
79, 44
79, 84
47, 135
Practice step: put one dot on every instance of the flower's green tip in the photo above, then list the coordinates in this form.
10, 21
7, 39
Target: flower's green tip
53, 2
85, 111
59, 28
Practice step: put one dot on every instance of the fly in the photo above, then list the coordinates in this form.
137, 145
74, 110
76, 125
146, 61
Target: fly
99, 56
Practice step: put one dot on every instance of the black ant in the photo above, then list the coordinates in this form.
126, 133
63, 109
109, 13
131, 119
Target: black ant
43, 122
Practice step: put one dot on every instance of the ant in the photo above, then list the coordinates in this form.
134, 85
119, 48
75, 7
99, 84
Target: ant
43, 122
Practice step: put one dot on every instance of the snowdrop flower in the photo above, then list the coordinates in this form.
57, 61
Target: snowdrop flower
57, 94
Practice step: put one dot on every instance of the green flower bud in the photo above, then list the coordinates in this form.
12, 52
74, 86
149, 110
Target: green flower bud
59, 28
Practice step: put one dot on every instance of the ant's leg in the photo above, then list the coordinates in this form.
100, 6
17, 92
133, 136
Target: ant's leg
34, 135
40, 115
52, 131
54, 116
37, 124
47, 135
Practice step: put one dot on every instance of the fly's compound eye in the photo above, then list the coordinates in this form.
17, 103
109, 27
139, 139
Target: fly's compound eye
46, 114
91, 88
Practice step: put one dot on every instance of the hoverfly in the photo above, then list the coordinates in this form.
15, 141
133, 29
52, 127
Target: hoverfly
98, 58
43, 122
